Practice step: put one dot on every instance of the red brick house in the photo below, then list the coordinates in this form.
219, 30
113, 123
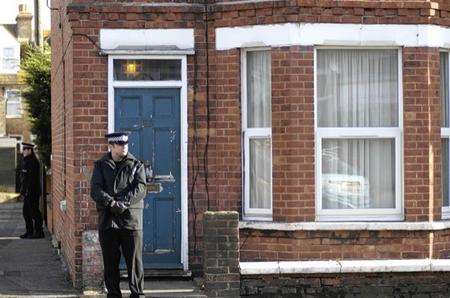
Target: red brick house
323, 123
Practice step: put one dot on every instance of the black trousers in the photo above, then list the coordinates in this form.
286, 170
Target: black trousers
32, 215
129, 242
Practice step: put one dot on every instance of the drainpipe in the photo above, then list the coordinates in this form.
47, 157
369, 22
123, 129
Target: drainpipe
38, 34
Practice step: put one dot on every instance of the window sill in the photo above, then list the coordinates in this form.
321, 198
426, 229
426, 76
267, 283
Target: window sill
350, 266
13, 116
354, 226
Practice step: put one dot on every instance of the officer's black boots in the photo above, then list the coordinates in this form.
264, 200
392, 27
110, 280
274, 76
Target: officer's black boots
36, 235
26, 236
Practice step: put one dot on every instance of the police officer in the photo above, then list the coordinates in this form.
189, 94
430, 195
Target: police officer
118, 187
30, 191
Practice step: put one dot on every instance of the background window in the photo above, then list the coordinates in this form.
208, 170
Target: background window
358, 134
9, 61
445, 131
13, 103
257, 128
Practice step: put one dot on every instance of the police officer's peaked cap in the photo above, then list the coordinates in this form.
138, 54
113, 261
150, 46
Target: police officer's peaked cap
27, 145
118, 137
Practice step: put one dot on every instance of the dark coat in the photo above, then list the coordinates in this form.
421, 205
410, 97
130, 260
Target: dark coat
30, 186
125, 183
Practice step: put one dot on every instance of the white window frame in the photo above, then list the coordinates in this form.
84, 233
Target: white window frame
445, 134
374, 214
247, 134
19, 101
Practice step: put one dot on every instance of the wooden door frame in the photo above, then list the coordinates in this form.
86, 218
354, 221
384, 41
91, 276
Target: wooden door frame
182, 85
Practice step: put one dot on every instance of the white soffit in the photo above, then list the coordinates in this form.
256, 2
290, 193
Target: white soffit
112, 39
317, 34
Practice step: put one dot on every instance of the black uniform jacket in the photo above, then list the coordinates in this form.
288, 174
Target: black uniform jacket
30, 183
125, 182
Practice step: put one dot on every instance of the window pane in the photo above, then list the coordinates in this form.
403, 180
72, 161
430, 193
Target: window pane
357, 88
444, 89
260, 173
13, 95
147, 70
13, 108
259, 112
445, 173
10, 63
358, 173
8, 52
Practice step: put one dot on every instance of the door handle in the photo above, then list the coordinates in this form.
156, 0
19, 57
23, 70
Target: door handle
164, 178
178, 210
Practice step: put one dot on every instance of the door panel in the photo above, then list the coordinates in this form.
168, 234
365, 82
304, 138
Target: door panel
152, 115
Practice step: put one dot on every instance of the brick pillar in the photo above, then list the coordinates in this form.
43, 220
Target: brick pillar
221, 254
92, 261
422, 134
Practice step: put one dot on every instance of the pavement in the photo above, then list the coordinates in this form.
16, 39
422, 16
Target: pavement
28, 267
33, 268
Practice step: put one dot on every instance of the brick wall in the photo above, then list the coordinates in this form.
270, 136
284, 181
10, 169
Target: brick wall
422, 134
435, 284
221, 254
342, 245
293, 133
64, 222
80, 129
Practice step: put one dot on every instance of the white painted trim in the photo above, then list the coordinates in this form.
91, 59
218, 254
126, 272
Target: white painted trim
184, 129
445, 133
147, 52
308, 34
247, 134
346, 226
147, 84
351, 266
373, 214
184, 165
111, 39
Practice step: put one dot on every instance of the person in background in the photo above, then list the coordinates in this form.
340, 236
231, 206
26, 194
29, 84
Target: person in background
30, 191
118, 187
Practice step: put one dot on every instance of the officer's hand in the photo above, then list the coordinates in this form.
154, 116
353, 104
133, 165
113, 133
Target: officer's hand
118, 207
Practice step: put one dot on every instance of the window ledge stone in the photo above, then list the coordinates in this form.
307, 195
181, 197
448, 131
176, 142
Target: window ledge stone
353, 226
350, 266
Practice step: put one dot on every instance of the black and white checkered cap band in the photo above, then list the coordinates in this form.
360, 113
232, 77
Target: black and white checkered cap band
122, 138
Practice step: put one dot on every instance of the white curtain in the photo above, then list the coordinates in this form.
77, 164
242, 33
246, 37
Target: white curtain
259, 115
358, 88
260, 174
445, 172
444, 89
13, 105
358, 173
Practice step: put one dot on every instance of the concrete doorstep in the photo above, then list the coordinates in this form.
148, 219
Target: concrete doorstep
159, 288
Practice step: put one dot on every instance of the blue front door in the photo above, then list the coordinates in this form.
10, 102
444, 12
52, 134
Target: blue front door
152, 115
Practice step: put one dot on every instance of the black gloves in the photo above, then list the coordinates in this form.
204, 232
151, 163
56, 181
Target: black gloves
118, 207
